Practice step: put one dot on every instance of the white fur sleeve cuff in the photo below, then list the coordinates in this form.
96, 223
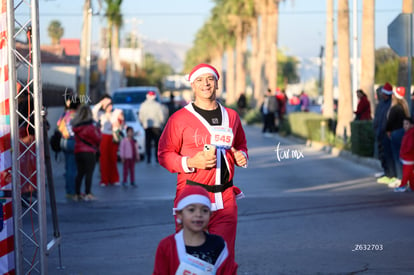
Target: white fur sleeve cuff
185, 167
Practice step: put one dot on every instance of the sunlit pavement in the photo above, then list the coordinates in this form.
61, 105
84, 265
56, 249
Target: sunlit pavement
305, 212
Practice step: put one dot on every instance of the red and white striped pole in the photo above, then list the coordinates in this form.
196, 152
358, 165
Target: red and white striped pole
7, 254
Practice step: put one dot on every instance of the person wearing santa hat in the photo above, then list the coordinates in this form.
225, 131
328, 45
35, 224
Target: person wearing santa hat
382, 140
205, 123
192, 250
395, 120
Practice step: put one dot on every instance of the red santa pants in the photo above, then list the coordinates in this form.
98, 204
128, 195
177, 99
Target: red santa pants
408, 175
223, 222
108, 160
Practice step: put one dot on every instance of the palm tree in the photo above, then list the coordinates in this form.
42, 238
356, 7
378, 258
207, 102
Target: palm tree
272, 41
239, 14
328, 109
368, 50
55, 31
260, 81
254, 58
115, 21
345, 113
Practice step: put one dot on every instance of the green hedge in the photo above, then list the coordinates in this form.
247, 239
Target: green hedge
319, 129
362, 138
298, 123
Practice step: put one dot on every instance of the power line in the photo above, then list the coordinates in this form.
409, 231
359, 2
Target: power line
146, 14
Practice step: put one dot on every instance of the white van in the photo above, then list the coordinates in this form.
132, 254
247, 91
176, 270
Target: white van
133, 96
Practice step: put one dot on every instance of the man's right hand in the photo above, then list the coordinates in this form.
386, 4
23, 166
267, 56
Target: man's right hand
201, 160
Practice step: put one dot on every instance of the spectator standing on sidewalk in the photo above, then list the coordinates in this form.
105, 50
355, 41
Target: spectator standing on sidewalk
407, 157
242, 104
129, 154
67, 143
363, 111
382, 140
192, 250
152, 117
269, 109
304, 102
282, 100
206, 122
102, 113
87, 137
394, 127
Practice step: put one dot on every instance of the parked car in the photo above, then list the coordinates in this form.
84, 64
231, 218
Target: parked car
133, 96
131, 119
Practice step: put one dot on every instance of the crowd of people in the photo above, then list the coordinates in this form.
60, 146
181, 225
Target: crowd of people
394, 139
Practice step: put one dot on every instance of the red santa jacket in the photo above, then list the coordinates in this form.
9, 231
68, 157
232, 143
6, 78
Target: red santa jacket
87, 137
184, 136
167, 258
407, 146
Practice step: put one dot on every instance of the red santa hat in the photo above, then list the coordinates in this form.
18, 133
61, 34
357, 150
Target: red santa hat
190, 195
387, 89
201, 69
151, 94
399, 92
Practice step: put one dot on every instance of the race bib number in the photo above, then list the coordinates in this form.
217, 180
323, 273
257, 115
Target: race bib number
194, 266
222, 137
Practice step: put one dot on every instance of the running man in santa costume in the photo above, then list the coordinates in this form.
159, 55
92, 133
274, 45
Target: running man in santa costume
192, 250
181, 150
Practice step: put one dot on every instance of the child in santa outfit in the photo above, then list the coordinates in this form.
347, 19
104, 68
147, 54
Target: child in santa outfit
192, 250
407, 157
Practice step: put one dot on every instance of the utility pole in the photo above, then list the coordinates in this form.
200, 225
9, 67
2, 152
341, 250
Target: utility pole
85, 55
321, 71
355, 53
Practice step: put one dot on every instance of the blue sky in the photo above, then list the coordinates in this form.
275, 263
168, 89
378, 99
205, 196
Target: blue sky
301, 23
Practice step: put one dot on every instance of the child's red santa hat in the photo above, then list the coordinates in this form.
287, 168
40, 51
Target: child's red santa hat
192, 194
201, 69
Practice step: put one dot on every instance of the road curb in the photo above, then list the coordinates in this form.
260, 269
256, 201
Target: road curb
371, 162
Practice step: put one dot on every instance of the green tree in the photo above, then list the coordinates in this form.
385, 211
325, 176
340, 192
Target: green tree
287, 70
115, 20
152, 74
386, 66
55, 31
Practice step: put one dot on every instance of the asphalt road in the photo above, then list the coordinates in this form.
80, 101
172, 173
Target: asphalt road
305, 212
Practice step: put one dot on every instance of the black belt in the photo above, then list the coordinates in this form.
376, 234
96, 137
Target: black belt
212, 188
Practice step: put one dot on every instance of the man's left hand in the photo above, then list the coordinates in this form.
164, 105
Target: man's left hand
239, 157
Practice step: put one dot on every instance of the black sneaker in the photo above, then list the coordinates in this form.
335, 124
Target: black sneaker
133, 184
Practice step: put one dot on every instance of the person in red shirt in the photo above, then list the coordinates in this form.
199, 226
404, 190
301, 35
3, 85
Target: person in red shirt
407, 157
363, 111
188, 131
87, 139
